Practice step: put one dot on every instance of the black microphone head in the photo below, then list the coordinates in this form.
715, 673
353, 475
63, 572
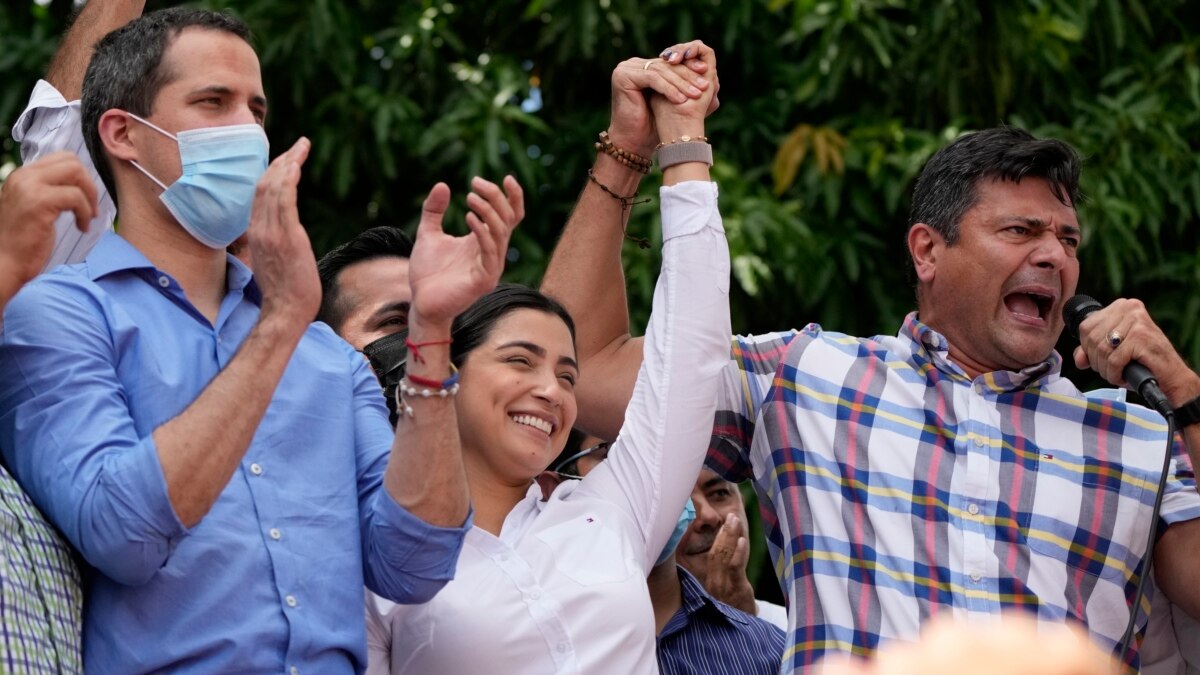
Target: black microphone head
1077, 309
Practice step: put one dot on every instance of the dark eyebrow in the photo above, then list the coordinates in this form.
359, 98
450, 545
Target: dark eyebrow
1039, 224
389, 308
711, 482
539, 351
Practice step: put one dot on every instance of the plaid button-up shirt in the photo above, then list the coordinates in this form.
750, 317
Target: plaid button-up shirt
895, 488
40, 599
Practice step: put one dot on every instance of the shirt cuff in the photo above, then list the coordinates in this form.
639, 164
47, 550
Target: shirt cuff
140, 478
407, 543
688, 207
44, 98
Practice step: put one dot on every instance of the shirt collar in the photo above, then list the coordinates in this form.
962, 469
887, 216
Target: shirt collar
113, 253
931, 347
696, 599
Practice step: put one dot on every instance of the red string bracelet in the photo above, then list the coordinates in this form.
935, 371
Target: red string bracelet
414, 348
436, 384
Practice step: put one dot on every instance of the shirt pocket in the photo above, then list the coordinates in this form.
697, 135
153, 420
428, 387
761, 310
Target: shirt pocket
1092, 516
589, 551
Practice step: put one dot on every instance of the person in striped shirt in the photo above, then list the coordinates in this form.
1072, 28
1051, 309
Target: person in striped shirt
949, 469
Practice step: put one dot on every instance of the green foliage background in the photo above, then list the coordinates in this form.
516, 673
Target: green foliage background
829, 108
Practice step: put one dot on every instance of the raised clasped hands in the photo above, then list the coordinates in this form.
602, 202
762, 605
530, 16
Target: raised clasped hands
684, 75
448, 273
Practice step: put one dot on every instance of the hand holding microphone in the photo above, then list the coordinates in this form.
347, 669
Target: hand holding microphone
1109, 344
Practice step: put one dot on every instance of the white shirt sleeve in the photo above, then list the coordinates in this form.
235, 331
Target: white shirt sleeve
772, 613
49, 124
379, 634
657, 456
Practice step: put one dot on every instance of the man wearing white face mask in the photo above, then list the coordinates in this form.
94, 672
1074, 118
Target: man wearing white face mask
221, 165
224, 466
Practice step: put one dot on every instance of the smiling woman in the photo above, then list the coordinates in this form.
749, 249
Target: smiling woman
557, 583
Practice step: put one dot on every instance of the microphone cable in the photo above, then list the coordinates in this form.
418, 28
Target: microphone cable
1151, 539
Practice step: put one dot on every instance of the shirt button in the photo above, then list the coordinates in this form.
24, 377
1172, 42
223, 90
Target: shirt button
978, 442
294, 670
973, 509
256, 469
562, 648
276, 534
975, 577
534, 595
164, 281
290, 600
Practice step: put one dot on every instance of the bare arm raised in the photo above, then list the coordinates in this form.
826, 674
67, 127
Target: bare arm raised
95, 20
51, 121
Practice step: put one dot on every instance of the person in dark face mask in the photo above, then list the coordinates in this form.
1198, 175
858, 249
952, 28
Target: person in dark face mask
365, 300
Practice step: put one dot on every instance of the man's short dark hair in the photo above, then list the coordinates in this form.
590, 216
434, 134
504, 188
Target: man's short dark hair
384, 241
127, 70
949, 183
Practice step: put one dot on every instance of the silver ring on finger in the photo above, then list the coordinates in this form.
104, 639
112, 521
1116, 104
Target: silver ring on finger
647, 64
1114, 338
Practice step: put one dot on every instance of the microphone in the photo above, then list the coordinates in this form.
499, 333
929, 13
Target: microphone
1139, 377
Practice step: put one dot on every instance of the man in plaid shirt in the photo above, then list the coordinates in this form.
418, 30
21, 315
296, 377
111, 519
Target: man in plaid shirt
950, 469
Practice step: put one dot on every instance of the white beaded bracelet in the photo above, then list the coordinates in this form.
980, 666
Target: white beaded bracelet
405, 388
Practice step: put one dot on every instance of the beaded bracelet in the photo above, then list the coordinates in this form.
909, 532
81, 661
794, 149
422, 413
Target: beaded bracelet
631, 160
429, 389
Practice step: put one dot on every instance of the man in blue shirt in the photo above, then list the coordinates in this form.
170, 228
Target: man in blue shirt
703, 634
224, 465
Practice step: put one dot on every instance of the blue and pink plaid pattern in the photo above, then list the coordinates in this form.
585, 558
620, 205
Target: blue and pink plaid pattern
894, 488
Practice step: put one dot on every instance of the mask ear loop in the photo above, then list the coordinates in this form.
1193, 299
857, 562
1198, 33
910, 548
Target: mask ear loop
160, 130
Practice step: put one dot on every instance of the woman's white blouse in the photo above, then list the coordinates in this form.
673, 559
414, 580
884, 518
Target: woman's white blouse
563, 588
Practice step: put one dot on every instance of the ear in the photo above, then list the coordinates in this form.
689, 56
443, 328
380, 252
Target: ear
925, 244
115, 128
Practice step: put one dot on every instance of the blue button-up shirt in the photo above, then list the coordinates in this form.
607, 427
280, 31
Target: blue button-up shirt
94, 358
708, 636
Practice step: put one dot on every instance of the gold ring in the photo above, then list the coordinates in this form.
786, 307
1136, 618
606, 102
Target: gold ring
1114, 338
646, 66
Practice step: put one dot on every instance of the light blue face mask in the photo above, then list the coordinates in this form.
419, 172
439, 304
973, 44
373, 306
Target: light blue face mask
221, 167
681, 526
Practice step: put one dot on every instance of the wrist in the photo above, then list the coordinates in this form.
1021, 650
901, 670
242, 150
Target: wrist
279, 327
622, 179
1181, 391
424, 328
629, 142
673, 130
